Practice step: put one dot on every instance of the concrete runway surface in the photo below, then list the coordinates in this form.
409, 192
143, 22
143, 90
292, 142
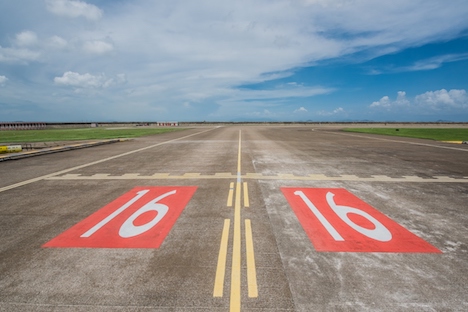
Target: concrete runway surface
238, 218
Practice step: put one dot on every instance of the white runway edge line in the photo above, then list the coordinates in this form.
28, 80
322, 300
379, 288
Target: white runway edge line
9, 187
404, 142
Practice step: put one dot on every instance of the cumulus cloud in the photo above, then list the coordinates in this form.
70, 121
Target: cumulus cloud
72, 8
23, 49
426, 102
386, 103
97, 47
18, 55
3, 80
443, 99
57, 42
301, 110
26, 38
88, 80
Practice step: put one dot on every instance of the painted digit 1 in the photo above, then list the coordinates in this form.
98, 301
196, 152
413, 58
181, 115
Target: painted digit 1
379, 233
128, 229
333, 232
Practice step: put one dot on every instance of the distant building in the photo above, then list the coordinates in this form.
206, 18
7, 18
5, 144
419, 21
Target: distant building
168, 123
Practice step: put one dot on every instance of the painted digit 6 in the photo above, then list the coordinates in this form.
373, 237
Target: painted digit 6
128, 229
380, 232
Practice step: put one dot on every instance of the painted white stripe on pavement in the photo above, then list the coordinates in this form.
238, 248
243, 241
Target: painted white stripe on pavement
9, 187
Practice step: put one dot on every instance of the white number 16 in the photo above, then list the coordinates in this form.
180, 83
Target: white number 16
379, 233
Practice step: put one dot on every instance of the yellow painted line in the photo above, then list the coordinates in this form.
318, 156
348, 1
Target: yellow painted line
251, 271
191, 175
235, 299
246, 196
235, 302
221, 268
239, 155
230, 195
253, 176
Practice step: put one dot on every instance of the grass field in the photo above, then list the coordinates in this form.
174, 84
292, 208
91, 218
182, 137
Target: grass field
445, 134
52, 135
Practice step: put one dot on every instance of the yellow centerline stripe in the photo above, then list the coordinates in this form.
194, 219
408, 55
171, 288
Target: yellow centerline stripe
235, 300
239, 156
221, 268
231, 194
251, 271
246, 196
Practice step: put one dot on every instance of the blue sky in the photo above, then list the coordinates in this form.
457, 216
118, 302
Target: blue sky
246, 60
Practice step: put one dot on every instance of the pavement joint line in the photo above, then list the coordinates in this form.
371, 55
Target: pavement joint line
50, 175
397, 141
255, 176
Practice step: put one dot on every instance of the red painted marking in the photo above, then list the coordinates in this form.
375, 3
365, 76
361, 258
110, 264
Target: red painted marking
353, 225
141, 218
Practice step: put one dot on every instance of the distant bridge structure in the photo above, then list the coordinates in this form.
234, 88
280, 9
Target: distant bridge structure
22, 125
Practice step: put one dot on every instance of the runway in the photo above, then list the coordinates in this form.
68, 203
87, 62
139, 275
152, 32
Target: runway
238, 218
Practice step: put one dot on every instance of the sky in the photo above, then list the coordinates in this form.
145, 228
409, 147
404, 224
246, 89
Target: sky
244, 60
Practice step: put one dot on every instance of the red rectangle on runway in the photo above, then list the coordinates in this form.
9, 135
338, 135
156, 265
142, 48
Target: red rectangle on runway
141, 218
336, 220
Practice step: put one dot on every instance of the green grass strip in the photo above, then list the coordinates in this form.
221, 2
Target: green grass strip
442, 134
51, 135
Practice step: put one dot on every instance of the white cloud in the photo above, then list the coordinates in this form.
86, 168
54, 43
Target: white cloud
26, 38
300, 110
336, 111
3, 80
425, 64
208, 53
97, 47
88, 81
57, 42
436, 62
23, 49
18, 55
280, 93
430, 101
388, 104
443, 99
339, 110
72, 8
384, 102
